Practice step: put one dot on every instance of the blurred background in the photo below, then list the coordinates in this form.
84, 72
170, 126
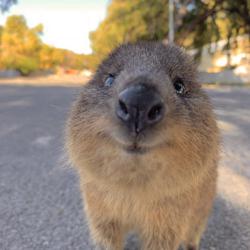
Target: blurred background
72, 37
48, 49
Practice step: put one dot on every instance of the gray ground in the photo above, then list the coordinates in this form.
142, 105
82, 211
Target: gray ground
40, 205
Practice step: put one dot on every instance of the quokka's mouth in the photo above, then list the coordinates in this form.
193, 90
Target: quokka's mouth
135, 149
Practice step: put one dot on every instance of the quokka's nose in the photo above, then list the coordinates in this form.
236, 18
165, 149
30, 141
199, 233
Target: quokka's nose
139, 107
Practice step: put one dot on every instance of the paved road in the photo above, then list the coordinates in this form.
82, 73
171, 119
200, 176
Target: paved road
40, 206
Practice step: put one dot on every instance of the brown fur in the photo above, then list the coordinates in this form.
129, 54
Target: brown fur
165, 194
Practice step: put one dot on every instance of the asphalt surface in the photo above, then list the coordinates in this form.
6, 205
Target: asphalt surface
40, 204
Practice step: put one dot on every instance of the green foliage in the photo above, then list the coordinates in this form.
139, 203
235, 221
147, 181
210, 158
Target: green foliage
1, 31
26, 65
196, 23
21, 48
210, 21
129, 21
50, 57
19, 45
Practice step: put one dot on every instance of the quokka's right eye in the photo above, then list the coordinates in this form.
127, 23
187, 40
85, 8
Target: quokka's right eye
109, 80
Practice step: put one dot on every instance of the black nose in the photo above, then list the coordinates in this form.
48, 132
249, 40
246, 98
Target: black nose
140, 107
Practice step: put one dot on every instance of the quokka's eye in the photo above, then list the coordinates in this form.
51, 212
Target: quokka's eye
109, 80
179, 86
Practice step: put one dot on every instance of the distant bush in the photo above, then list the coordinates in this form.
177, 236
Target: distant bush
26, 65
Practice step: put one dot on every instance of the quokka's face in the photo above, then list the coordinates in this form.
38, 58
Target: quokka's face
142, 97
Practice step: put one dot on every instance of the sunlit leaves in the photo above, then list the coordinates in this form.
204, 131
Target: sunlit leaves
19, 45
129, 21
21, 48
196, 22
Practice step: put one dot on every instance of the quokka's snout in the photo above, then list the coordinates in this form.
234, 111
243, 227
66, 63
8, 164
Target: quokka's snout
144, 140
140, 106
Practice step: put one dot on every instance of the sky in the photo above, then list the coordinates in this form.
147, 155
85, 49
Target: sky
67, 23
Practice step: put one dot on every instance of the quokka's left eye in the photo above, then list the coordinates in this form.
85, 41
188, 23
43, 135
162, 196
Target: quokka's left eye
179, 86
109, 80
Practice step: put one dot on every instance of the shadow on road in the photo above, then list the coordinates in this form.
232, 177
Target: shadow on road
228, 227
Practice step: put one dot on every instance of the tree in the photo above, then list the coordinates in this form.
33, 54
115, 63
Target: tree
129, 21
20, 45
6, 4
21, 48
197, 22
51, 57
209, 21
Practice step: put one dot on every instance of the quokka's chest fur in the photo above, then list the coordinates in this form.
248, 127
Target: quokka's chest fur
135, 205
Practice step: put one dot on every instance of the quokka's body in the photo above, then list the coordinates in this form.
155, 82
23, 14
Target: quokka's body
144, 140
